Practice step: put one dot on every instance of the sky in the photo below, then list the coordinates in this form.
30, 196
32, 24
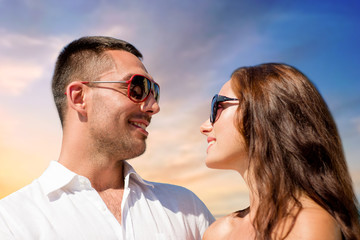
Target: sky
190, 47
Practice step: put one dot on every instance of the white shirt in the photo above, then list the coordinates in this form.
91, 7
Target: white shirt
62, 205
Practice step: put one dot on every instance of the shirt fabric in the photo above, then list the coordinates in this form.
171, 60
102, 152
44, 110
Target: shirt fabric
63, 205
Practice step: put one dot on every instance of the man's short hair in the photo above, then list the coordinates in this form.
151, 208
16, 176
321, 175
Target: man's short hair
84, 59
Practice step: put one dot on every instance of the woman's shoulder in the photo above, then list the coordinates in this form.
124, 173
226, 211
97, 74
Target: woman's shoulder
314, 221
228, 227
218, 229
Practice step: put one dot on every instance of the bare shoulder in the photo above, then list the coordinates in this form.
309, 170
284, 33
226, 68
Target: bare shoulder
314, 222
217, 229
228, 227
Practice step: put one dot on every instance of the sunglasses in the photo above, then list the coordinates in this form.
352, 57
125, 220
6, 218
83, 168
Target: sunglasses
139, 88
215, 105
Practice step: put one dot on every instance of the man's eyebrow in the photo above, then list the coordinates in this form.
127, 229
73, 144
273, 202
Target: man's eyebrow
127, 76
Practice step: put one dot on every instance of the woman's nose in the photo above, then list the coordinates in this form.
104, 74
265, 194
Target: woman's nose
206, 127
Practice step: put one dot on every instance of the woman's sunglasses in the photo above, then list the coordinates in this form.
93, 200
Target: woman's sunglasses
215, 104
139, 88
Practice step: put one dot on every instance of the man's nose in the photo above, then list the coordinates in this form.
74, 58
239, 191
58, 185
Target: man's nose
150, 106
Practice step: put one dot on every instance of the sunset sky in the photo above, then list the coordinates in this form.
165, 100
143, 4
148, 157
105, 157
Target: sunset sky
190, 47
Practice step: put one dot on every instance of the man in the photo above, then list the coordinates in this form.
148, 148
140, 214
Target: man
106, 99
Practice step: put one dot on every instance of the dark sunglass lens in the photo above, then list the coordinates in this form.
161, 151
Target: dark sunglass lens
156, 92
139, 88
213, 109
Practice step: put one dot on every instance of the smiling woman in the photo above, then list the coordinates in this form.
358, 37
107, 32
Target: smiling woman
284, 142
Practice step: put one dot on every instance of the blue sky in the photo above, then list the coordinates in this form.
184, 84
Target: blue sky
190, 48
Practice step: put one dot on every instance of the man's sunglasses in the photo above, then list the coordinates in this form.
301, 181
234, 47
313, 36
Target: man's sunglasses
215, 104
139, 88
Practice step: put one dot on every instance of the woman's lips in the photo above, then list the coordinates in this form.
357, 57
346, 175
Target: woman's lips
211, 141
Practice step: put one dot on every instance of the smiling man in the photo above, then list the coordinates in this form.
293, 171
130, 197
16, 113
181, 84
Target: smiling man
106, 99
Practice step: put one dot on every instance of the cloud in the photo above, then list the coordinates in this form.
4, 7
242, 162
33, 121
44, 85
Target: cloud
16, 73
116, 31
27, 145
176, 152
18, 168
25, 59
15, 77
175, 145
12, 40
9, 123
191, 54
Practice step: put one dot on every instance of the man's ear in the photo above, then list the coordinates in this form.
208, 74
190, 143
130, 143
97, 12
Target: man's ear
76, 97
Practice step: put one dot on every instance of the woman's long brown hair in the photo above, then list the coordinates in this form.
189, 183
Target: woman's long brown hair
294, 148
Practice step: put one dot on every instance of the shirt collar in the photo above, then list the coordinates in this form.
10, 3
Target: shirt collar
57, 176
129, 172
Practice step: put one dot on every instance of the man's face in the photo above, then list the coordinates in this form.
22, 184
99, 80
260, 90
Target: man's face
117, 124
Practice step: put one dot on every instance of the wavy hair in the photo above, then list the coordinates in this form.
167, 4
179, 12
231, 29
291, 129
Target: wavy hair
294, 149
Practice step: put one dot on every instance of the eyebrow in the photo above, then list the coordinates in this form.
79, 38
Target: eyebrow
128, 76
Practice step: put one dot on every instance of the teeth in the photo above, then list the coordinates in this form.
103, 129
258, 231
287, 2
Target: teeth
143, 126
211, 143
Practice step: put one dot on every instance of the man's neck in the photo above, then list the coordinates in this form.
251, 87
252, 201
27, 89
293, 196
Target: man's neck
107, 177
104, 169
103, 175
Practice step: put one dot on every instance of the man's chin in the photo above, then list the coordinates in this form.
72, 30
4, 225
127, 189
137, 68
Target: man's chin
137, 150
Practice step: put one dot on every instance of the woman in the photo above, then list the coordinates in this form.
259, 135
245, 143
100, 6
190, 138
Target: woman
271, 125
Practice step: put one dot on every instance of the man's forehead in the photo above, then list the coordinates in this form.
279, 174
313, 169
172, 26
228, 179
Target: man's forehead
125, 65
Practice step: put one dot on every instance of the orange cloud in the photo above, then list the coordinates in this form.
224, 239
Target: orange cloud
15, 77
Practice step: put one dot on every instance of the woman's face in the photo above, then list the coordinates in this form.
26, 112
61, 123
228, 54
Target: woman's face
226, 147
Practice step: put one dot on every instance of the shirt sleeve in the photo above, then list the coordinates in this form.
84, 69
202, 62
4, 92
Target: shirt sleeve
5, 236
5, 232
205, 217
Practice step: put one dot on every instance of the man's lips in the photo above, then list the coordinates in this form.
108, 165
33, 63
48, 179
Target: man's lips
140, 124
211, 142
